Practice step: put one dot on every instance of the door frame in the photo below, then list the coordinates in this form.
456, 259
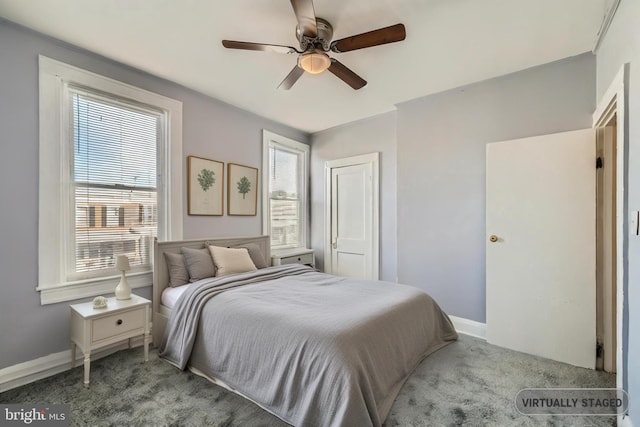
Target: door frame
374, 160
606, 238
614, 102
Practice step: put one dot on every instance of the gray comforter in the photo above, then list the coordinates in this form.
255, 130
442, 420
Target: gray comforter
313, 349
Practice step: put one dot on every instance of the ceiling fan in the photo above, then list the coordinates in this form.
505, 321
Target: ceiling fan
314, 35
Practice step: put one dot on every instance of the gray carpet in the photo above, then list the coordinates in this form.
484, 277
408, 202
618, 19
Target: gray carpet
467, 383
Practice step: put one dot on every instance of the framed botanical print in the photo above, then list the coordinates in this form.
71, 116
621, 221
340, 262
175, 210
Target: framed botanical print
242, 190
205, 186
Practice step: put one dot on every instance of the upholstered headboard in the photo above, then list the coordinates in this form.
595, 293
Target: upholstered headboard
161, 272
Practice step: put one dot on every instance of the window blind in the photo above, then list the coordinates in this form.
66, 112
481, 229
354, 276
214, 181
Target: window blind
285, 198
114, 179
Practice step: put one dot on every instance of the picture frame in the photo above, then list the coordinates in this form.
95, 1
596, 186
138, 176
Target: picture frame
205, 186
242, 190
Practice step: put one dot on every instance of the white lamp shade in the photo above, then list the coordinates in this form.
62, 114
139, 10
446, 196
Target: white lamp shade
122, 263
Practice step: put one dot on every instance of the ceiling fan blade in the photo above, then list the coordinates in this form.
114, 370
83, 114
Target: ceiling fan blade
346, 75
394, 33
291, 78
275, 48
306, 16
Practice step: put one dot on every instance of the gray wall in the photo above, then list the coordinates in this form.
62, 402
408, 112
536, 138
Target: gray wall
622, 45
211, 129
377, 133
441, 169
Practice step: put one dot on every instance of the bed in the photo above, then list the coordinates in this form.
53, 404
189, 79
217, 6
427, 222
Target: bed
311, 348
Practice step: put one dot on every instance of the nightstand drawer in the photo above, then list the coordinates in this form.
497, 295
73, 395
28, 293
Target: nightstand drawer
298, 259
119, 323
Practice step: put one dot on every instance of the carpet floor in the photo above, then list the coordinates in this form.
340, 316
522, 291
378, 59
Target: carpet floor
468, 383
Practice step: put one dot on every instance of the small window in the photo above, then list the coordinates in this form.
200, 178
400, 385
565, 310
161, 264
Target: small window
285, 172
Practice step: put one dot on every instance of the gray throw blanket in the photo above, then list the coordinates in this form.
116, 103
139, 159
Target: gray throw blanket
311, 348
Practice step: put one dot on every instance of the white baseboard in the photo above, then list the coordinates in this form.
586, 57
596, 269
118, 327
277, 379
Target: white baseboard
43, 367
469, 327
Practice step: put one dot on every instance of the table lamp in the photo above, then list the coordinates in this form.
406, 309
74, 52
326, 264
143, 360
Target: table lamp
123, 290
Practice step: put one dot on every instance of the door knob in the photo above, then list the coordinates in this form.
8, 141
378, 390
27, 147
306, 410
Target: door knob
493, 238
334, 245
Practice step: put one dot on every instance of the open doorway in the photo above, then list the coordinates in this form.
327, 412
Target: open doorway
606, 245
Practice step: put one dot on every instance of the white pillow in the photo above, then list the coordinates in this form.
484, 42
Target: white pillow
231, 260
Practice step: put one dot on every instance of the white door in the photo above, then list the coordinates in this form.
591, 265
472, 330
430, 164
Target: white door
353, 217
540, 272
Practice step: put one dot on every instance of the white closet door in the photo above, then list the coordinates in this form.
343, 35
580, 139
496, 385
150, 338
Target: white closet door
351, 220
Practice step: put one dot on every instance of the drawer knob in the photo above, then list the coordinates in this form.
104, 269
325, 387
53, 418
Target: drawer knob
119, 322
299, 259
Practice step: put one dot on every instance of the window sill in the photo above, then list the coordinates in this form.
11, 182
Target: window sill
90, 288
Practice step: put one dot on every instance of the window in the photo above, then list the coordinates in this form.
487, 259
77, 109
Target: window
107, 155
285, 171
114, 184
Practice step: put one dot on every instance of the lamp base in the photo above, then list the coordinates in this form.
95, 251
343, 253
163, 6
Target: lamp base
123, 290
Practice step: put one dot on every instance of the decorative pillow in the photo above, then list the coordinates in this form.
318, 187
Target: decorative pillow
256, 255
231, 260
199, 263
178, 274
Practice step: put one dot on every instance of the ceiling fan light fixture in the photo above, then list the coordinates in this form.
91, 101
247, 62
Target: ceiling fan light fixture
314, 62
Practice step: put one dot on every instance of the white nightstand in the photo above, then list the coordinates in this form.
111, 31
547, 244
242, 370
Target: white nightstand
294, 256
93, 328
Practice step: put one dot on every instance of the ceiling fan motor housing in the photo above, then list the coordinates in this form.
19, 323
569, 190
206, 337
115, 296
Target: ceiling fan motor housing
321, 41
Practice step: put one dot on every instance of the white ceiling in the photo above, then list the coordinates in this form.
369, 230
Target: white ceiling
449, 43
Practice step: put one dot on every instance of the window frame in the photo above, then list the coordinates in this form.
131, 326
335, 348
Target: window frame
56, 209
94, 96
270, 139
